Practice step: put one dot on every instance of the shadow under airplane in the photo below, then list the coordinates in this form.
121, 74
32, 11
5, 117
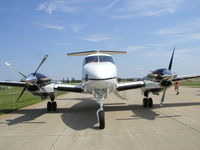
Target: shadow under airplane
82, 115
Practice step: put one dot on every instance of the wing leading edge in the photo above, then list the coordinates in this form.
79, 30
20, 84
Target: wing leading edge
130, 85
68, 88
13, 83
185, 77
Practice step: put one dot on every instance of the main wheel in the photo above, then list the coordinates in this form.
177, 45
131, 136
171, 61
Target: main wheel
150, 102
49, 105
145, 102
101, 120
54, 106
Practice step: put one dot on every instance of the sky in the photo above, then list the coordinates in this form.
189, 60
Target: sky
146, 29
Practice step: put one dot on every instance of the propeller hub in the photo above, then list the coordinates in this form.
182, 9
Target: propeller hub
31, 79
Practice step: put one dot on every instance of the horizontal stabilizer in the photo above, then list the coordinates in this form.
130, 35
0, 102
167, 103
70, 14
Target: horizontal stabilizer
95, 52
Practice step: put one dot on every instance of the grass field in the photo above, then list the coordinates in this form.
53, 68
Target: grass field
8, 99
193, 83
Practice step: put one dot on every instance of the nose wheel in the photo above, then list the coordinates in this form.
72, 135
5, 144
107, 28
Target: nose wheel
51, 106
101, 119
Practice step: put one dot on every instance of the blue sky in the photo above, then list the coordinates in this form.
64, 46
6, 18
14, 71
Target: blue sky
146, 29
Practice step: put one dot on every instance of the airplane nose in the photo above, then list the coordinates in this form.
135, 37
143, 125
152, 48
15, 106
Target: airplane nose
31, 79
100, 71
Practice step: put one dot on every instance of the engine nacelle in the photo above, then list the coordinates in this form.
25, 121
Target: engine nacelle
49, 88
166, 83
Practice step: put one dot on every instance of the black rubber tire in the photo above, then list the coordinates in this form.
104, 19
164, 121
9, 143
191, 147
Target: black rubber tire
49, 106
101, 120
54, 106
150, 102
145, 102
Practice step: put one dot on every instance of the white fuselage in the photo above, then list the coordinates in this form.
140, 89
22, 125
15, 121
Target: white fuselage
99, 74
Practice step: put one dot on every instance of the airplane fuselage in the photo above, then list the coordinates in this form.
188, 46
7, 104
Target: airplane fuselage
99, 73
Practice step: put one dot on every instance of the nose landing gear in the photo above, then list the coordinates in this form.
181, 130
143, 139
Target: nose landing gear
100, 94
52, 105
100, 115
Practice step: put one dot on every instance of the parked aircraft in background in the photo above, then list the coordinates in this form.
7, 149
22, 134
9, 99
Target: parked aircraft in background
99, 74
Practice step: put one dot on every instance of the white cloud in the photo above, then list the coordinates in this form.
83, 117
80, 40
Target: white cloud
95, 38
50, 26
61, 5
184, 32
184, 28
146, 8
76, 27
135, 48
125, 9
106, 7
181, 51
155, 54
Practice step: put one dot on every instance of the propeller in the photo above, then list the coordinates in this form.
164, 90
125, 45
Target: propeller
24, 89
29, 80
12, 67
163, 96
43, 60
172, 58
165, 85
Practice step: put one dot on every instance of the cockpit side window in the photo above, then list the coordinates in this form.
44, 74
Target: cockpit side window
106, 59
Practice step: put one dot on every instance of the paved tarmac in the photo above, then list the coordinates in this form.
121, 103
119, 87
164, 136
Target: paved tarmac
129, 126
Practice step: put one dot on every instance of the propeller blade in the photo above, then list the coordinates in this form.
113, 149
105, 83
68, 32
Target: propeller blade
43, 60
171, 61
21, 94
163, 96
12, 67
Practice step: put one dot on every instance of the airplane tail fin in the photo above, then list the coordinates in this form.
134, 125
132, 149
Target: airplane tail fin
84, 53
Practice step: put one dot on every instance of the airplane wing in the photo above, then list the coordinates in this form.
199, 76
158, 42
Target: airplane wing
13, 83
69, 88
130, 85
185, 77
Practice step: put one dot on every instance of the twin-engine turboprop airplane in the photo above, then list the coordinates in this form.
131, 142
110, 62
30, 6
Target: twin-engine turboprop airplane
99, 74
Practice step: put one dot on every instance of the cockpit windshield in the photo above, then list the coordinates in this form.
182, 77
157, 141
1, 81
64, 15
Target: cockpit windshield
159, 71
101, 58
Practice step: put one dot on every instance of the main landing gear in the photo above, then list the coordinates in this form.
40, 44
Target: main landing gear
147, 102
52, 105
